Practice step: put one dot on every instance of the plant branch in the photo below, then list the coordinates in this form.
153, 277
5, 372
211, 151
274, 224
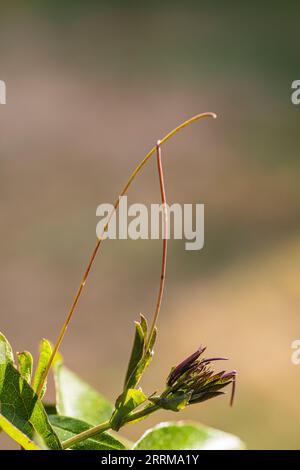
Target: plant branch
100, 428
100, 239
149, 409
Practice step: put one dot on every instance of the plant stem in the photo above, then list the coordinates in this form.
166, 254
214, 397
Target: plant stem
100, 428
165, 241
86, 434
141, 414
100, 239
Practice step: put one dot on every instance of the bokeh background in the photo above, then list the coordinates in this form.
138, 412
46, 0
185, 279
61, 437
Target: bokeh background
91, 86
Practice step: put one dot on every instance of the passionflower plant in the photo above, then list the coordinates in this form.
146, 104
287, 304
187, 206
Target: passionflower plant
80, 418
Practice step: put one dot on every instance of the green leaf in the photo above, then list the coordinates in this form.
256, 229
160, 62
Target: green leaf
144, 325
68, 427
125, 404
187, 436
136, 354
6, 353
22, 415
25, 362
141, 354
77, 399
44, 357
175, 403
126, 442
50, 408
144, 362
17, 435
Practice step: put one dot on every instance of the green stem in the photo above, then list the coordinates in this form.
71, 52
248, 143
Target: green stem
100, 428
86, 434
141, 414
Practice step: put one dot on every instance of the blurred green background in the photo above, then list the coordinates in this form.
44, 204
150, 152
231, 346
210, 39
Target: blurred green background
91, 86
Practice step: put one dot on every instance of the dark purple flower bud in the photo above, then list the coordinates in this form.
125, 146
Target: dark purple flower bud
184, 366
231, 377
196, 377
228, 375
213, 359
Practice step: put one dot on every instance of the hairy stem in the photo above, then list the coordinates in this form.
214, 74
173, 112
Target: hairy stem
100, 239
